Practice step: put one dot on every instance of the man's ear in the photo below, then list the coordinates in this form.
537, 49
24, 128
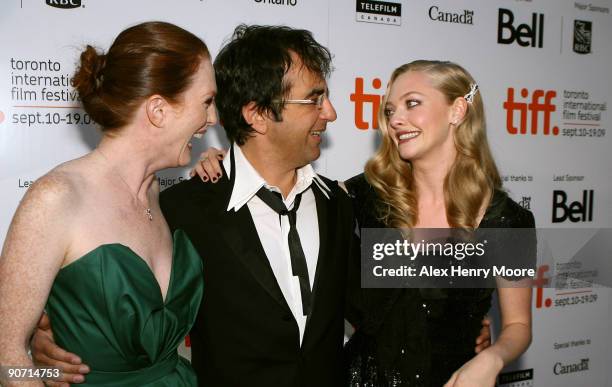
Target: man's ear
157, 109
256, 119
458, 110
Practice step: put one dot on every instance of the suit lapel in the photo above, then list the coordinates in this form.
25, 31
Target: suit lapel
240, 234
326, 218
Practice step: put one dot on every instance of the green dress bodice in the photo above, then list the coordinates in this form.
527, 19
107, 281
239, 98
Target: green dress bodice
107, 307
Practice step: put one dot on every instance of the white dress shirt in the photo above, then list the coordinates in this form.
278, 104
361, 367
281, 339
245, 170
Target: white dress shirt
274, 234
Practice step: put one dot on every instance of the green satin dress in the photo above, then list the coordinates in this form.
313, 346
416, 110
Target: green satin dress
107, 308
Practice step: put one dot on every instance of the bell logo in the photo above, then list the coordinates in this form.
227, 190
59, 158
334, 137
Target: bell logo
359, 98
525, 35
575, 211
535, 107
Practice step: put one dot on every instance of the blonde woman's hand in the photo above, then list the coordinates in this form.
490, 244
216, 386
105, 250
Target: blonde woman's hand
208, 166
483, 341
481, 371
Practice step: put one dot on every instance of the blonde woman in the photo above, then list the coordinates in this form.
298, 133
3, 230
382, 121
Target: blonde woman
434, 169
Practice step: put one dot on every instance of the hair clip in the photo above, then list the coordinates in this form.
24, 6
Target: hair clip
469, 97
99, 80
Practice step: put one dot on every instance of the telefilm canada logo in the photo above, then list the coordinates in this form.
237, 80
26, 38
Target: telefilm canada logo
582, 36
64, 4
520, 378
381, 12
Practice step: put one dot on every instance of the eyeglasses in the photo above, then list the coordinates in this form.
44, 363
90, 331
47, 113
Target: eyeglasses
318, 101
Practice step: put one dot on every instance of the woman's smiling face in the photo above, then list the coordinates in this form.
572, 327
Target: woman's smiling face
419, 118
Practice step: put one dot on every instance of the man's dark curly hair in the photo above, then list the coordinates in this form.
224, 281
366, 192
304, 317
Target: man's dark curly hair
251, 68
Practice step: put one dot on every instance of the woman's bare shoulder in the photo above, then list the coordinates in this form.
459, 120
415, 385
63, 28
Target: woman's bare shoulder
60, 188
44, 217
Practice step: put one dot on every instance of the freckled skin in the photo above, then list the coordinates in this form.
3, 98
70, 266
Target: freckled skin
33, 255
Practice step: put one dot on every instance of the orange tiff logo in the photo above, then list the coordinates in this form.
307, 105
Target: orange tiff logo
362, 99
533, 108
540, 282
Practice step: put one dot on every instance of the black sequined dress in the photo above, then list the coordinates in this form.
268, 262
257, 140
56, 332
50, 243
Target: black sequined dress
416, 337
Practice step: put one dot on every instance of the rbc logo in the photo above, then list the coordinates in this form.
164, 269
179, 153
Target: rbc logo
582, 36
535, 107
65, 4
575, 211
525, 35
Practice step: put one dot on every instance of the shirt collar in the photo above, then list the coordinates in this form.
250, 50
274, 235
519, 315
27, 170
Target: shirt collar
247, 181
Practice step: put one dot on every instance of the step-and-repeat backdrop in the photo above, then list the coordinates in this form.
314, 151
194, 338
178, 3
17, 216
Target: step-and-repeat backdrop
543, 67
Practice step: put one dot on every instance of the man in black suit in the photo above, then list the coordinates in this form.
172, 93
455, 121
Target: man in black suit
260, 324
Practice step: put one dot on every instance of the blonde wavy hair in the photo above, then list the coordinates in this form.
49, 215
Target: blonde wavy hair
473, 176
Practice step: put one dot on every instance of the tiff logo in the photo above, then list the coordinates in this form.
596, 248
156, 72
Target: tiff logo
534, 108
361, 99
540, 282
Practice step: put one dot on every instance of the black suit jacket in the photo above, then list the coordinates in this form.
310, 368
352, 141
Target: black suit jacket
245, 333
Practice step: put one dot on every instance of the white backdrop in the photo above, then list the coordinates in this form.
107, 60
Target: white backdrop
41, 124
